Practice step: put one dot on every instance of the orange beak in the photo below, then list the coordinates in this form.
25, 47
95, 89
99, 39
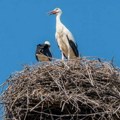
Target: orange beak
52, 12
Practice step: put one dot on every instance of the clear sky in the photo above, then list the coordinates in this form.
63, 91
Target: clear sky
95, 25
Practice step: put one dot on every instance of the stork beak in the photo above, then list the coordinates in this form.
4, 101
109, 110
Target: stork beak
52, 12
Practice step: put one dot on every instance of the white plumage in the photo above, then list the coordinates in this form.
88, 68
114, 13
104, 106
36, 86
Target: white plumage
64, 38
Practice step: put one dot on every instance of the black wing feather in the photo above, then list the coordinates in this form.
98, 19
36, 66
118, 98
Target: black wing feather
74, 47
43, 49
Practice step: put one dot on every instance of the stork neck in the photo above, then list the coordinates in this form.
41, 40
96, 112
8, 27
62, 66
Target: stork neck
58, 19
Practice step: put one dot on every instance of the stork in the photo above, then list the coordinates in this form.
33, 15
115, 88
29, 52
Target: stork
64, 38
43, 53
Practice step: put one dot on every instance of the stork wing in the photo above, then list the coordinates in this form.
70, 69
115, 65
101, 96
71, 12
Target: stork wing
43, 53
72, 43
48, 54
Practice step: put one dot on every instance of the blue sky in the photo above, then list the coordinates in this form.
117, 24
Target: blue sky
95, 25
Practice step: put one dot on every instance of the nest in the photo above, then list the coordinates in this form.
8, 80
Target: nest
83, 89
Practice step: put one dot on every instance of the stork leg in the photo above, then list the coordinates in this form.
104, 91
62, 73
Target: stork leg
68, 47
62, 56
68, 53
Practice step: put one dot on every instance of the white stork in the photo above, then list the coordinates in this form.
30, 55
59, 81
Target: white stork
42, 52
64, 38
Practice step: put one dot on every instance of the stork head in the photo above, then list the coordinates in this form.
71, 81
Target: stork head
56, 11
47, 43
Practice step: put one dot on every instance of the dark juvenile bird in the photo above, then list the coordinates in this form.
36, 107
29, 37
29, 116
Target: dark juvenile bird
64, 37
43, 53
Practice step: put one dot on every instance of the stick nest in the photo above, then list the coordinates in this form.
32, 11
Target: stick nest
83, 89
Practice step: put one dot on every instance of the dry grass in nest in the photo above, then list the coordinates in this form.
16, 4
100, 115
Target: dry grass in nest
86, 89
